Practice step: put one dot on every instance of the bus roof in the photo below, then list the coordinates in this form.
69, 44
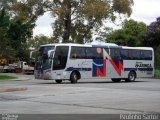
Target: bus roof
101, 44
139, 48
109, 45
81, 45
48, 45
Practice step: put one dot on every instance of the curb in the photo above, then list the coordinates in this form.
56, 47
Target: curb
12, 89
16, 79
23, 79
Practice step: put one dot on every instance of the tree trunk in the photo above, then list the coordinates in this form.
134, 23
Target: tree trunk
67, 24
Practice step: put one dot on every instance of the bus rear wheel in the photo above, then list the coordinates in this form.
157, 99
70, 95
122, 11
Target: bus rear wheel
58, 81
74, 77
116, 80
131, 77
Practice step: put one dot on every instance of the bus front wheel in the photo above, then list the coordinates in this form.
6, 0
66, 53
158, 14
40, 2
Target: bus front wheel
74, 77
58, 81
131, 77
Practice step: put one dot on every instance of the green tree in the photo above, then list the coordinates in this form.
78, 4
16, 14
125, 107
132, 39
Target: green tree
152, 39
75, 19
40, 40
18, 33
131, 33
6, 51
20, 20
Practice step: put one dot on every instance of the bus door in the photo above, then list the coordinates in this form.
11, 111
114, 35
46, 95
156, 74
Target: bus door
115, 63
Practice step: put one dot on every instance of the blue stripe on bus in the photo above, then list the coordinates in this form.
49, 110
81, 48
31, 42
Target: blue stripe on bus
99, 65
140, 69
78, 69
125, 69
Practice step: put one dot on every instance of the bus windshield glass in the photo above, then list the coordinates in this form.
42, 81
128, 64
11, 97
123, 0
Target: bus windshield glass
42, 58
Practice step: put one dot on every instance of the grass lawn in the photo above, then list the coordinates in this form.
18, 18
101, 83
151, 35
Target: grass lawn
157, 73
7, 77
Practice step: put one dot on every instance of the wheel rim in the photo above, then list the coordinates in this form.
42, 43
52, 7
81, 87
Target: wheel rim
132, 77
75, 77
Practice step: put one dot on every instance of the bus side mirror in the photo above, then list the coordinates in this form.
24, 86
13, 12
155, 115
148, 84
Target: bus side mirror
50, 54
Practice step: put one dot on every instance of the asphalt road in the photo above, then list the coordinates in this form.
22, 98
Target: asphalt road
86, 97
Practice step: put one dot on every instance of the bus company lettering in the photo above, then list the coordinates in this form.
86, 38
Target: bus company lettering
140, 65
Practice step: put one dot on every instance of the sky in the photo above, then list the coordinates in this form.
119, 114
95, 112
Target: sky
143, 10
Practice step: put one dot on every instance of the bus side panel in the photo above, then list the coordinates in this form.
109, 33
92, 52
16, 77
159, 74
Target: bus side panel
107, 69
114, 70
83, 66
141, 67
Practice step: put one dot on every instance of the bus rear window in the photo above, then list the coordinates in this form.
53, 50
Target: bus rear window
147, 54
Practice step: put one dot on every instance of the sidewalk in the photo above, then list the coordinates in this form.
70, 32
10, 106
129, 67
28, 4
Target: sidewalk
8, 87
12, 89
19, 76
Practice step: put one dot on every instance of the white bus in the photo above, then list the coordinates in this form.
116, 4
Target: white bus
80, 61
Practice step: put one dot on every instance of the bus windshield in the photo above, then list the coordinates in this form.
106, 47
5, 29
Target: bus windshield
42, 58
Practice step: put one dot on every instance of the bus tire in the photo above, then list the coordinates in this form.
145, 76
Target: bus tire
74, 77
58, 81
116, 80
131, 77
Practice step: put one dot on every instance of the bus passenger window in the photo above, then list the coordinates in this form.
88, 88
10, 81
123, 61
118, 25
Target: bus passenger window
77, 52
136, 55
60, 57
147, 54
94, 53
115, 53
124, 54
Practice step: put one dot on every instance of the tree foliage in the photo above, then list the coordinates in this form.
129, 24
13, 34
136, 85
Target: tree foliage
152, 39
5, 49
131, 34
17, 20
40, 40
75, 19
